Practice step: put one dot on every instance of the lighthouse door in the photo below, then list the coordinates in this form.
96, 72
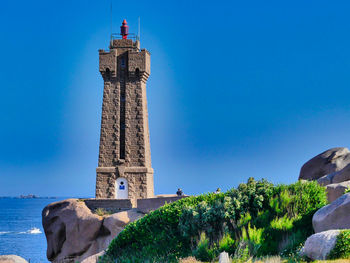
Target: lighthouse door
121, 191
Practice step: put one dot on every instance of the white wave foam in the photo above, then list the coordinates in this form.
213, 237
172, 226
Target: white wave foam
32, 231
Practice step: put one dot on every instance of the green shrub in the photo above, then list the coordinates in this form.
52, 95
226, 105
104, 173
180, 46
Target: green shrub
342, 246
282, 223
227, 244
243, 252
253, 235
291, 210
204, 252
256, 219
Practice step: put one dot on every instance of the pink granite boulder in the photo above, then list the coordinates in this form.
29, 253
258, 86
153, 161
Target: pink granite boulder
74, 233
328, 162
336, 215
334, 191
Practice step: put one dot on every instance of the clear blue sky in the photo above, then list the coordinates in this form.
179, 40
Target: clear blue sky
237, 89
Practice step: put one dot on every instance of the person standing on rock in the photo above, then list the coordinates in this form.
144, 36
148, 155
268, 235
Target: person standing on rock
179, 192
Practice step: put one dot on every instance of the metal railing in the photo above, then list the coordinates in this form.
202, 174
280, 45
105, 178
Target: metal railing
130, 36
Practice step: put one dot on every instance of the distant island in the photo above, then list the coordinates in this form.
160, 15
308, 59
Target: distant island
29, 196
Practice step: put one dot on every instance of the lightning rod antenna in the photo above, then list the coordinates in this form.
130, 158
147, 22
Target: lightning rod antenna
111, 20
139, 30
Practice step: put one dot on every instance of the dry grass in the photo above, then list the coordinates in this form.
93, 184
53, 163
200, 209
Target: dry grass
333, 261
265, 260
102, 212
189, 260
275, 259
280, 260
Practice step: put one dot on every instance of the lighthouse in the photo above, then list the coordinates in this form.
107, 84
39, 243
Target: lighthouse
124, 165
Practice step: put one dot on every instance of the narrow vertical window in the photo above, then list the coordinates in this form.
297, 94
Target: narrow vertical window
122, 62
108, 73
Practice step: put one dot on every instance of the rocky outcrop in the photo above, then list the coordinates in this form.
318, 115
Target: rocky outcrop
336, 177
12, 259
319, 245
341, 176
74, 233
326, 179
331, 169
93, 258
333, 216
326, 163
334, 191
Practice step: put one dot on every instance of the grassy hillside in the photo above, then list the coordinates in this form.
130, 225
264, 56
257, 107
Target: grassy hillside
256, 219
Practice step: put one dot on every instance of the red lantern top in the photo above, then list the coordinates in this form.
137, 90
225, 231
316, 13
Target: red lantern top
124, 29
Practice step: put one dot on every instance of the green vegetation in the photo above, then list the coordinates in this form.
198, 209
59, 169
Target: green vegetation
347, 190
274, 259
342, 246
255, 220
204, 252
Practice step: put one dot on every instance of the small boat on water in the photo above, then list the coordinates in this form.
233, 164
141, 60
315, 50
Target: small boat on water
34, 230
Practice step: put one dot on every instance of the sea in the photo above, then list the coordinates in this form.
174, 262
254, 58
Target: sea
21, 231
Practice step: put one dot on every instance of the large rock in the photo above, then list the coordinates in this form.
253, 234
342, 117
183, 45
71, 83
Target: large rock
342, 175
334, 191
74, 233
319, 245
12, 259
325, 163
336, 177
326, 179
333, 216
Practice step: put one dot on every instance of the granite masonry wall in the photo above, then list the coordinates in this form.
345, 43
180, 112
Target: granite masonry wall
110, 205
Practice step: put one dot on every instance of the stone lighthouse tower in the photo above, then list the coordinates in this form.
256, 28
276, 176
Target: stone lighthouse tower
124, 166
